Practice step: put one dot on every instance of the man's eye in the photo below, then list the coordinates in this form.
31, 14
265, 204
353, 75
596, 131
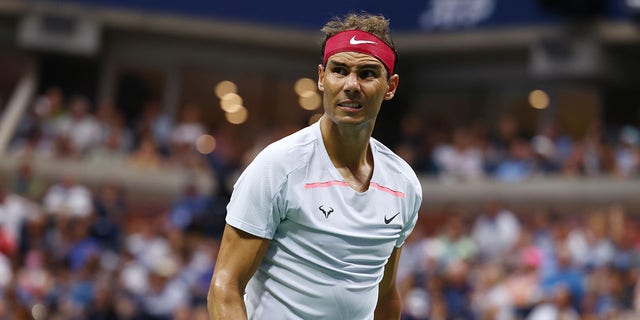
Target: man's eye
368, 74
340, 71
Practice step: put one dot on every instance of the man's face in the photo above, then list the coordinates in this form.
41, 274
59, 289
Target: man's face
354, 86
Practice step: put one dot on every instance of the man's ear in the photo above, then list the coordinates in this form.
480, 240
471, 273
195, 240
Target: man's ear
321, 78
392, 86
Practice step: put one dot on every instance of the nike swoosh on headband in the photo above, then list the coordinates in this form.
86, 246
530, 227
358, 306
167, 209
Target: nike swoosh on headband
354, 42
362, 42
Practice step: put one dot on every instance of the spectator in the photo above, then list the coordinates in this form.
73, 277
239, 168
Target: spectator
146, 156
461, 160
111, 207
559, 306
597, 155
600, 250
40, 123
184, 136
491, 298
80, 126
35, 280
602, 298
113, 123
111, 152
519, 163
190, 209
565, 276
167, 293
116, 140
457, 291
26, 183
102, 306
507, 129
453, 242
158, 124
523, 281
68, 198
495, 231
133, 278
15, 213
147, 243
627, 153
6, 278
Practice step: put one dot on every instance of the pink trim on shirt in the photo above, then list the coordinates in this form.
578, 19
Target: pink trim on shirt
385, 189
345, 184
325, 184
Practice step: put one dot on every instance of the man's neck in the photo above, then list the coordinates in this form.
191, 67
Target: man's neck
347, 146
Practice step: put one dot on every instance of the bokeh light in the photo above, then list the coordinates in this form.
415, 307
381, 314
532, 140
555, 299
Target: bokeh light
206, 144
237, 117
539, 99
310, 100
303, 85
225, 87
230, 102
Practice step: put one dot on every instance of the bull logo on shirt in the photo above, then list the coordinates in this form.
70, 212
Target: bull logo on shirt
326, 211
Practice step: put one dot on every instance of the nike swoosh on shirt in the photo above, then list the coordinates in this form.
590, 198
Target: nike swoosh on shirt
388, 220
354, 41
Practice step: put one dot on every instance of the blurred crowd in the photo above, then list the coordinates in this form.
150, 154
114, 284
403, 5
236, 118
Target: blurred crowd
84, 253
72, 128
79, 253
500, 264
72, 251
505, 151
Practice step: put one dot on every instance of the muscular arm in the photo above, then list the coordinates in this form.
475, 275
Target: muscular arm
389, 304
239, 257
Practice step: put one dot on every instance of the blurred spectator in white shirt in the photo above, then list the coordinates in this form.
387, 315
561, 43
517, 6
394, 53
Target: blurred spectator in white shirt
80, 126
15, 212
166, 293
68, 198
558, 306
188, 129
461, 160
495, 231
184, 136
627, 153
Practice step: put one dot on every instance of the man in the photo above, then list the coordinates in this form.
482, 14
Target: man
316, 222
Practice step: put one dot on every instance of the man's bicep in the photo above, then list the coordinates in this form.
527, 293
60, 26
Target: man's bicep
389, 305
239, 257
390, 269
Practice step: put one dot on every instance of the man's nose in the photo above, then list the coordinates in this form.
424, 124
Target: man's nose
351, 83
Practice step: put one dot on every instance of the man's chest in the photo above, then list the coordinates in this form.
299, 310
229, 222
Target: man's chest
333, 207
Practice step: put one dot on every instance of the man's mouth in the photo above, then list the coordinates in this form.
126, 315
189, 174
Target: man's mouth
350, 105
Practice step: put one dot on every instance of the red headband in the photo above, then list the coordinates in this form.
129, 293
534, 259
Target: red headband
362, 42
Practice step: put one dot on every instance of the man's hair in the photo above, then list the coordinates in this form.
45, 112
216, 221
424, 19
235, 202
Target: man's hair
377, 25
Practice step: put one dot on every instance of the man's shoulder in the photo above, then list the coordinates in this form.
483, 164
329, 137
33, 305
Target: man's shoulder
290, 150
395, 163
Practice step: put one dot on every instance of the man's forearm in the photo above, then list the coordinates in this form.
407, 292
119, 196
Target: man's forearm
224, 305
389, 307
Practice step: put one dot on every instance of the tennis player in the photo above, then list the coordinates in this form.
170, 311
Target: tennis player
316, 222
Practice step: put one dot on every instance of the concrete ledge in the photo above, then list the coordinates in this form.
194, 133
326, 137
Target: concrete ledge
540, 192
544, 192
159, 186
